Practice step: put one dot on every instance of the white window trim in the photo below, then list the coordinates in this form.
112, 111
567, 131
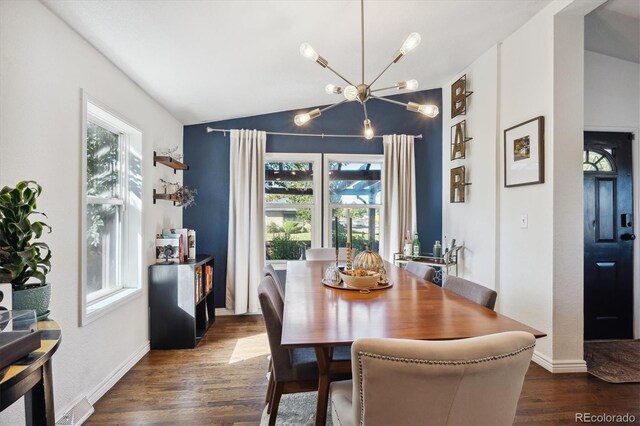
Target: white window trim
316, 208
345, 158
131, 289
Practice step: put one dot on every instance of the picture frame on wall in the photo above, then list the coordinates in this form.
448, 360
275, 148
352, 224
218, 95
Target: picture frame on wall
524, 153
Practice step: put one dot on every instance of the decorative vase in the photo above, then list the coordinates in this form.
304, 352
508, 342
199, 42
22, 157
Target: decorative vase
368, 260
36, 298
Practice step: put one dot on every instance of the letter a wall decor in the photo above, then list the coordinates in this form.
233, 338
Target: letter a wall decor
459, 140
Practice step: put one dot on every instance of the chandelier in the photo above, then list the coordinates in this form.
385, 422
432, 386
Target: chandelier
365, 92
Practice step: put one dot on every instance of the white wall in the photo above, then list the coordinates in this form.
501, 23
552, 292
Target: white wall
473, 223
568, 212
526, 267
612, 103
43, 66
536, 71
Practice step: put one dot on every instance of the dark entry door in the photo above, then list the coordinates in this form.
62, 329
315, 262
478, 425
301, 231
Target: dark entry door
608, 236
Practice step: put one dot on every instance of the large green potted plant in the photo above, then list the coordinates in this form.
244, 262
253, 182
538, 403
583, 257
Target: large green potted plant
24, 262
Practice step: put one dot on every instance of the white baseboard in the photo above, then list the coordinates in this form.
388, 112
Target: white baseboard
559, 366
118, 373
108, 382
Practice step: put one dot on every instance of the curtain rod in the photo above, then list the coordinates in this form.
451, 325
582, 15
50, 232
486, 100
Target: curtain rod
316, 135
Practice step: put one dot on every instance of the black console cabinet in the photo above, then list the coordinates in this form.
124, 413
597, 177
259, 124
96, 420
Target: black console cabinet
181, 310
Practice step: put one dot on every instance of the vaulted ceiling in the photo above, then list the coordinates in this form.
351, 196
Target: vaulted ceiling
613, 29
212, 60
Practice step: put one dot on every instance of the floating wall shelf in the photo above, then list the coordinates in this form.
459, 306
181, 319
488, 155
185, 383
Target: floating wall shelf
169, 162
168, 197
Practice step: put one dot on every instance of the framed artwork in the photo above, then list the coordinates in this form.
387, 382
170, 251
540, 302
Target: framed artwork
457, 185
459, 140
524, 153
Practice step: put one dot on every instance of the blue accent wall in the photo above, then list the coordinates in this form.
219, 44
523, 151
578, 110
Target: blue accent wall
207, 155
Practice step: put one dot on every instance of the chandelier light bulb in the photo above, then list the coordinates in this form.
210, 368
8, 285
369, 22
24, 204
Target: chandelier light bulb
409, 85
301, 119
308, 52
428, 110
368, 130
410, 43
350, 93
332, 89
412, 85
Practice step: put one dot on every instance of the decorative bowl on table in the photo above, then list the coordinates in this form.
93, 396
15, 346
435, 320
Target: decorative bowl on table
368, 260
360, 278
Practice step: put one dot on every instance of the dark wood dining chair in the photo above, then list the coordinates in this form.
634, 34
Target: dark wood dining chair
294, 370
471, 291
269, 271
420, 270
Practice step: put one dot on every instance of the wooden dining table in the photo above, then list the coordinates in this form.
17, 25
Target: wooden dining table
322, 318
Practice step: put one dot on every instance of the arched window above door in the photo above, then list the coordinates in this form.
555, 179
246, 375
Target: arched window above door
598, 160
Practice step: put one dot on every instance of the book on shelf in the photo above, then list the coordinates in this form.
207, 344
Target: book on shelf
199, 284
191, 244
187, 242
209, 278
167, 249
180, 244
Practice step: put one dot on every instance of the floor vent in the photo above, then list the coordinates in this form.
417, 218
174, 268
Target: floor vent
77, 415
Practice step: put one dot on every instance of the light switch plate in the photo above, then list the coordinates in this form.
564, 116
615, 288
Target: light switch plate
524, 221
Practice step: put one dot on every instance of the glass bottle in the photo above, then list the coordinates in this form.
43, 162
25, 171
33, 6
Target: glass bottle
416, 245
407, 248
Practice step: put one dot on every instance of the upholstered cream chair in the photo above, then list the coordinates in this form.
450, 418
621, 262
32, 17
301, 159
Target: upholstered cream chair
473, 381
326, 254
420, 270
471, 291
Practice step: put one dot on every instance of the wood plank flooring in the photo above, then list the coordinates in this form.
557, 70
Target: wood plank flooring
223, 381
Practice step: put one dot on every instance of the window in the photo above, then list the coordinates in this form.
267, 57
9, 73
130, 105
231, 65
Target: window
596, 160
353, 185
112, 201
292, 205
293, 212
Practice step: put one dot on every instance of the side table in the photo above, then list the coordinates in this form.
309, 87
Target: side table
32, 378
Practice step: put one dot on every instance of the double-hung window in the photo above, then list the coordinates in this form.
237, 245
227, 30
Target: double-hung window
292, 205
112, 182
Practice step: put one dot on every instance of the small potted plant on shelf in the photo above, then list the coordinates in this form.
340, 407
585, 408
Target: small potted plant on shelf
24, 262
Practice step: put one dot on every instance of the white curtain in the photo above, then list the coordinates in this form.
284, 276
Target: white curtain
399, 207
246, 252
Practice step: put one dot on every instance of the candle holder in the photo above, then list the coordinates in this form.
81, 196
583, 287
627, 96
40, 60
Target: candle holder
348, 256
337, 255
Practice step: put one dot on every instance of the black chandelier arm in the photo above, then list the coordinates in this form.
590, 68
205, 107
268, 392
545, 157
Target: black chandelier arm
339, 75
390, 101
364, 107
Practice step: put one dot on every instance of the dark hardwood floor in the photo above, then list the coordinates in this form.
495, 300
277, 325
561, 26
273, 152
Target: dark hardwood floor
223, 381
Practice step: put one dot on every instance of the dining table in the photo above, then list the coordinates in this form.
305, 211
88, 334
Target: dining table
321, 317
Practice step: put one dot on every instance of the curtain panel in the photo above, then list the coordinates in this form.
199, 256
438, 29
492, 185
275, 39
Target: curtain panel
399, 191
246, 249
